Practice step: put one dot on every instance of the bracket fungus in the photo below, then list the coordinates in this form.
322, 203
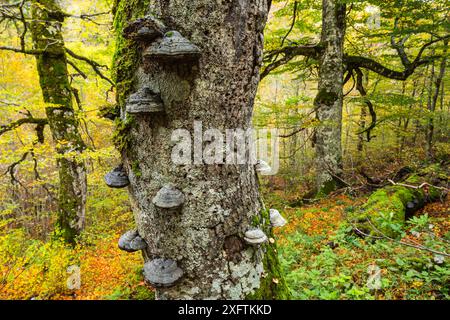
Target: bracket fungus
162, 272
144, 29
168, 198
263, 167
276, 219
255, 236
173, 46
144, 101
117, 178
131, 241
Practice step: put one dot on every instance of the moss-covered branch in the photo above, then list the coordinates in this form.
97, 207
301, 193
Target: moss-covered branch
389, 207
15, 124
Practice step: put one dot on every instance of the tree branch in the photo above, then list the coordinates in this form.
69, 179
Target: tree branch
288, 53
400, 46
20, 122
95, 66
363, 92
353, 62
20, 50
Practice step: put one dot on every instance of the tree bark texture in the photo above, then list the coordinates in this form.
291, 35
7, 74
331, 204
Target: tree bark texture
329, 99
63, 123
205, 236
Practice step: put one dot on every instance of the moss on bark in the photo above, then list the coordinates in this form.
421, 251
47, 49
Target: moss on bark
213, 212
63, 123
273, 285
127, 56
126, 60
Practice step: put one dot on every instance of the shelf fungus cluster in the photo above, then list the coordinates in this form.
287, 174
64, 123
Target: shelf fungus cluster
162, 272
168, 197
144, 101
276, 219
131, 241
255, 236
165, 48
117, 178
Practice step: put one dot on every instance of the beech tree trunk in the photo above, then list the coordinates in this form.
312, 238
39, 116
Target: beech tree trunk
57, 93
205, 236
329, 99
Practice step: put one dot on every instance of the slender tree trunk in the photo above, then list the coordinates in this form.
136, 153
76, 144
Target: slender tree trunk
221, 201
329, 100
362, 126
362, 119
57, 93
432, 104
417, 125
408, 118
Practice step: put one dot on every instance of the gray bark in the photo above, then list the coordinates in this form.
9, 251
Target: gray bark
205, 236
329, 99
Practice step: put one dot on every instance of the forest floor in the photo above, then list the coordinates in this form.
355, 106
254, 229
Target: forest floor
320, 258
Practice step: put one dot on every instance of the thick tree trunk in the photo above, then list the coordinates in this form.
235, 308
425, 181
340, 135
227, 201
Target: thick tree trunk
329, 99
221, 201
56, 90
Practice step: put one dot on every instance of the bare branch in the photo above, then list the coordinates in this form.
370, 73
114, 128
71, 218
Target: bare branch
382, 236
20, 122
80, 72
288, 53
425, 184
95, 66
400, 46
20, 50
363, 92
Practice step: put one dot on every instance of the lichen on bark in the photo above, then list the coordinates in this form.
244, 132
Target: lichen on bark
273, 285
57, 93
205, 235
329, 99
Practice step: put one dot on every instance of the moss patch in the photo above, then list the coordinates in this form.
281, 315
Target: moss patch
273, 285
121, 137
388, 206
127, 56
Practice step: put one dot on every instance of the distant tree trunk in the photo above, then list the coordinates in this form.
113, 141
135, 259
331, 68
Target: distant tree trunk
205, 236
57, 93
408, 118
362, 117
432, 104
329, 100
362, 127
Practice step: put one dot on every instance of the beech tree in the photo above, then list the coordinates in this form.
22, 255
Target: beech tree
338, 65
43, 19
200, 232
